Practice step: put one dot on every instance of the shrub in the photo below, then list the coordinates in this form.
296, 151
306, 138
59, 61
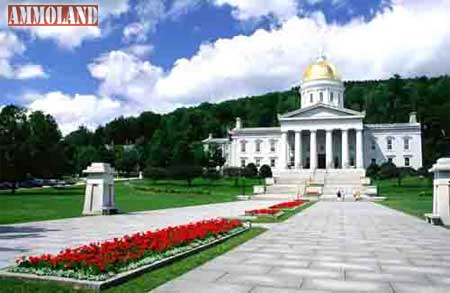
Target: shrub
211, 174
233, 172
250, 171
155, 173
372, 170
388, 170
187, 173
265, 171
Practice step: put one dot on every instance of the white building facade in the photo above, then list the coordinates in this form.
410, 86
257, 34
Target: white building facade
322, 134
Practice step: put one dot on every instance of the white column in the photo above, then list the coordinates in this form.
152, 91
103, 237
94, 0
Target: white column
283, 151
359, 149
344, 148
298, 149
329, 148
313, 150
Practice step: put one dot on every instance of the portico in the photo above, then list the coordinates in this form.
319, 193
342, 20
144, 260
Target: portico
322, 149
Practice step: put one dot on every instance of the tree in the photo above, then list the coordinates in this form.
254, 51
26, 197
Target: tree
185, 172
14, 145
155, 173
265, 171
84, 157
372, 170
250, 171
128, 160
388, 170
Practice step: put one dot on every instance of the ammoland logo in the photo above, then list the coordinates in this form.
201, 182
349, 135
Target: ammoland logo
52, 15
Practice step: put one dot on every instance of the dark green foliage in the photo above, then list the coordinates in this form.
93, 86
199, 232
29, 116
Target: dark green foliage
185, 172
265, 171
155, 173
30, 146
128, 161
233, 172
250, 171
388, 170
372, 171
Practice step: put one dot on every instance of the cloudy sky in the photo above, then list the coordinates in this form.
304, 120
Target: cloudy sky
162, 54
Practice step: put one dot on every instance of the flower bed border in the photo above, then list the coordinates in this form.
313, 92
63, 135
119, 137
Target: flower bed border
276, 216
120, 277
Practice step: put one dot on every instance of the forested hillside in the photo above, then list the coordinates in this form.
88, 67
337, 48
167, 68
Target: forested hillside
164, 139
173, 139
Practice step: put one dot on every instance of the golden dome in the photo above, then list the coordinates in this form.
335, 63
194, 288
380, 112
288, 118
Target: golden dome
321, 69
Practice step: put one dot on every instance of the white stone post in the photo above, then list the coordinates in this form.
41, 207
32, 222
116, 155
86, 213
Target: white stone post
359, 149
441, 190
313, 150
283, 145
298, 149
99, 194
329, 148
344, 148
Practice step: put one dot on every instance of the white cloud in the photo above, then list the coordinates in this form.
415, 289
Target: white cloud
245, 10
69, 37
126, 75
411, 39
73, 111
30, 71
11, 46
139, 50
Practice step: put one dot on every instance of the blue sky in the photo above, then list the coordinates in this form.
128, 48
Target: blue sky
158, 55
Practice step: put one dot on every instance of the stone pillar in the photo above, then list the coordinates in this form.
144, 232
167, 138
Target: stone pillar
359, 149
344, 148
99, 192
441, 190
329, 148
283, 150
313, 150
298, 149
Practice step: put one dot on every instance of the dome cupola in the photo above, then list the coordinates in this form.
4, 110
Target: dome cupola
321, 83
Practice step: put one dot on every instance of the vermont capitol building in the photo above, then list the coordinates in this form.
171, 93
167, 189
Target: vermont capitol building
322, 134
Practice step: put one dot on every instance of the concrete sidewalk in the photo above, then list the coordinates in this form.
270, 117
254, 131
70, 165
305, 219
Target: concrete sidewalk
332, 246
52, 236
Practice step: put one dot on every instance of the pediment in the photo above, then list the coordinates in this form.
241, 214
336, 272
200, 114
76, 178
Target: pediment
321, 111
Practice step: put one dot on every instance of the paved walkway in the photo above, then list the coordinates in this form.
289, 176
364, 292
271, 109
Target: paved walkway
332, 246
52, 236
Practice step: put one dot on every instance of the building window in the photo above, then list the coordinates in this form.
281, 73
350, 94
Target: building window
258, 146
243, 146
373, 161
272, 162
331, 97
389, 143
391, 160
243, 163
406, 143
374, 145
258, 162
272, 145
407, 162
310, 98
321, 96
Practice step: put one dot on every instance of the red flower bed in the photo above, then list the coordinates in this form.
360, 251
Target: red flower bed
289, 204
108, 256
263, 212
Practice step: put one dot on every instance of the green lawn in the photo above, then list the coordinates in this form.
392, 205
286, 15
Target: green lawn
283, 217
414, 196
148, 280
52, 203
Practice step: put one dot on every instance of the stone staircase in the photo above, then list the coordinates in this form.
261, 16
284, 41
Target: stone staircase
292, 184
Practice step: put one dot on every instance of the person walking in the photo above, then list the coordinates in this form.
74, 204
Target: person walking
338, 194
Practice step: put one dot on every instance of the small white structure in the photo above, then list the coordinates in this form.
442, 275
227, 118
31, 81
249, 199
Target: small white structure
441, 192
99, 195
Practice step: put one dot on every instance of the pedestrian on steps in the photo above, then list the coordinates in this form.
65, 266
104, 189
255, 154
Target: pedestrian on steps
338, 194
